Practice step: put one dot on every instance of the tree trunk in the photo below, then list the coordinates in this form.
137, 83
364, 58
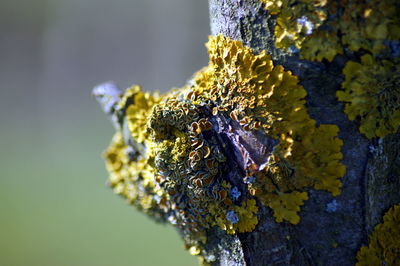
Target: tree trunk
371, 184
236, 192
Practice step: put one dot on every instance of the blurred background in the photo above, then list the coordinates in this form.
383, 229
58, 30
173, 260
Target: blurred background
54, 206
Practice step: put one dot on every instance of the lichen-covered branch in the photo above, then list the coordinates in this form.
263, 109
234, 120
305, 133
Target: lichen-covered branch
255, 161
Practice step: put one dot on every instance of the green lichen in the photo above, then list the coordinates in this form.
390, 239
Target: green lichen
182, 175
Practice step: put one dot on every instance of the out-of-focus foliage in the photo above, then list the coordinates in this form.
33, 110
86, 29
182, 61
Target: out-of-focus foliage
55, 208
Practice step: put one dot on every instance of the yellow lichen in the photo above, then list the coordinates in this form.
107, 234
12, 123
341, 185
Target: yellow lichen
286, 205
314, 27
173, 165
320, 45
372, 95
247, 216
367, 24
241, 219
138, 112
298, 28
259, 91
384, 245
322, 29
133, 180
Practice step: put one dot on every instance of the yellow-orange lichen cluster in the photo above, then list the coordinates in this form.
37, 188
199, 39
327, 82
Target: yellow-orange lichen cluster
137, 113
319, 28
384, 245
372, 94
298, 27
322, 29
367, 24
173, 160
267, 98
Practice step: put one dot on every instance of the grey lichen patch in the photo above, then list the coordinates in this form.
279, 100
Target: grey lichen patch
222, 249
332, 206
256, 32
224, 16
245, 21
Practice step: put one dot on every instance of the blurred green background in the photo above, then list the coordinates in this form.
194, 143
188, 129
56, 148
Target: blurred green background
54, 206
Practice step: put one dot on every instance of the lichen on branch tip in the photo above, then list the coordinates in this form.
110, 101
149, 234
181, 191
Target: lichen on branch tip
211, 154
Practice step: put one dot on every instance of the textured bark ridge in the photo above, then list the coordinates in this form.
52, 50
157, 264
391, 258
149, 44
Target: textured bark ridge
332, 229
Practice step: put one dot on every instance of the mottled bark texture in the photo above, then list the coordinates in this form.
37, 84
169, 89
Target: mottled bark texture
370, 186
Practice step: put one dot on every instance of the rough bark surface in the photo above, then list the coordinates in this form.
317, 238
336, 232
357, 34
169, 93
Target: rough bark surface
370, 185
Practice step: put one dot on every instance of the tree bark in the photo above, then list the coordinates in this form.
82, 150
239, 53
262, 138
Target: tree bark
370, 186
159, 159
